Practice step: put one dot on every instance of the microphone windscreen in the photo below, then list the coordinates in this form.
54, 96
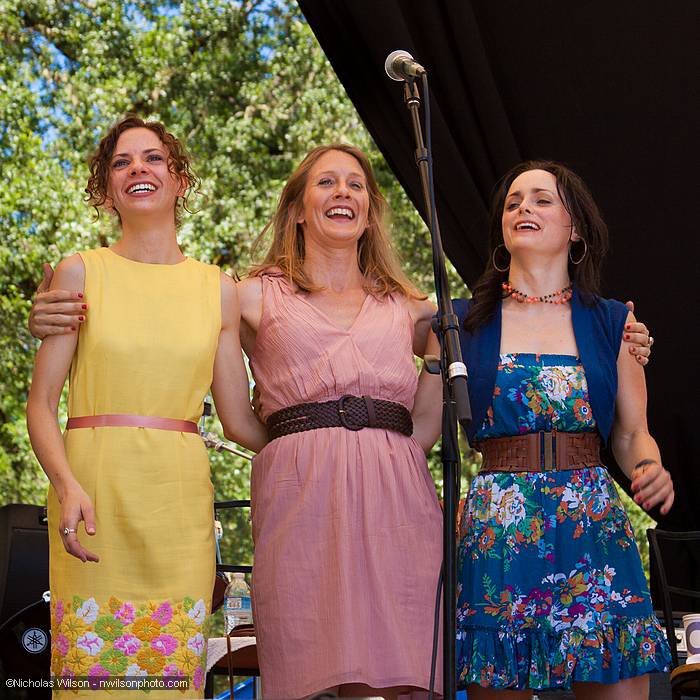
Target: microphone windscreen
393, 61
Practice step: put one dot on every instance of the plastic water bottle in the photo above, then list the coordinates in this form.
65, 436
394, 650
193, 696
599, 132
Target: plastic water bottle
237, 607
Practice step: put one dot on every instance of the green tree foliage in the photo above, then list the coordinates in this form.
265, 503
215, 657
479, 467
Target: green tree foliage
246, 86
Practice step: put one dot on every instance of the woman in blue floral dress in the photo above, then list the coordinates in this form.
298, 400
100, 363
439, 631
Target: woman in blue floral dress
552, 593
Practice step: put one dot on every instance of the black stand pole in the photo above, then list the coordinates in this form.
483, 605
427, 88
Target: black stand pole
455, 396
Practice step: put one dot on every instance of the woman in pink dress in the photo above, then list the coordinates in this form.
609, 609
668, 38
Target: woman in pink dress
346, 521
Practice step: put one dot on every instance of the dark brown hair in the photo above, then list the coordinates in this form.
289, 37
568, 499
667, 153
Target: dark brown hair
585, 218
376, 256
179, 162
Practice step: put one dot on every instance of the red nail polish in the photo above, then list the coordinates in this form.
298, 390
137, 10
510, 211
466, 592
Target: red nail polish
72, 328
627, 327
80, 295
81, 318
85, 306
627, 337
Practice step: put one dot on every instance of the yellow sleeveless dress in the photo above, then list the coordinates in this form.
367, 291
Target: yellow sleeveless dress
147, 348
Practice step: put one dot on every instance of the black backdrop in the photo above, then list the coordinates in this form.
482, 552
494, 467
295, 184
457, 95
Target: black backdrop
610, 88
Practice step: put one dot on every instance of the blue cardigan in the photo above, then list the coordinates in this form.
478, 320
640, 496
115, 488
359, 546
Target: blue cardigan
598, 331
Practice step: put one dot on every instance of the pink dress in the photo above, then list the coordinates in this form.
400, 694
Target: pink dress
347, 526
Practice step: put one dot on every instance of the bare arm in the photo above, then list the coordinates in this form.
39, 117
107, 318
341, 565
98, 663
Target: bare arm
230, 387
51, 367
56, 311
631, 441
427, 407
250, 300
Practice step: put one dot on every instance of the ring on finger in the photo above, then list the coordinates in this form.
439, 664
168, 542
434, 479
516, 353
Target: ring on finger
650, 342
69, 531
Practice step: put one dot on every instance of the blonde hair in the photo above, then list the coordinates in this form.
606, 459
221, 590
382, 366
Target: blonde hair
376, 256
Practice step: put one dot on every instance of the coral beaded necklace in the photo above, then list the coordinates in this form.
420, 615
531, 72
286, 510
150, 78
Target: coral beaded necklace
561, 296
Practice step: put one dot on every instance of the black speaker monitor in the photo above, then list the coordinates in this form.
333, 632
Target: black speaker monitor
24, 557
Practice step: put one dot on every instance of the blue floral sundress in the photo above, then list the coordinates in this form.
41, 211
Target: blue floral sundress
551, 587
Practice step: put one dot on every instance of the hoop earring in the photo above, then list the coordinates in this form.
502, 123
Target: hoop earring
585, 252
493, 258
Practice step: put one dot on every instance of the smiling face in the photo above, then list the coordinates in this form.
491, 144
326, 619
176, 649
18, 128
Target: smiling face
534, 216
335, 204
140, 181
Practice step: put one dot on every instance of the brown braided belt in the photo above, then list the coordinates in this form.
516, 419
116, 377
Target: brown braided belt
351, 412
540, 452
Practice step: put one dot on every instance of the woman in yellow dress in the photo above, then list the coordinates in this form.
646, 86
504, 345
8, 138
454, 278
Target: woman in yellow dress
133, 598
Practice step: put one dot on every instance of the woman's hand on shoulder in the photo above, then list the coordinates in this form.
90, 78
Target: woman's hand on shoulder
58, 311
69, 277
631, 400
55, 354
636, 336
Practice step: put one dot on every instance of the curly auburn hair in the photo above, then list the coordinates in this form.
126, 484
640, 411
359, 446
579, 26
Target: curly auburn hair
179, 163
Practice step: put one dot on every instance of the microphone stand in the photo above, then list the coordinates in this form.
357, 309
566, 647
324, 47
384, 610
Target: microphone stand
454, 377
211, 440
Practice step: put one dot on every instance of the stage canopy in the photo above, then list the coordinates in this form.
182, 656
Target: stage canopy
610, 88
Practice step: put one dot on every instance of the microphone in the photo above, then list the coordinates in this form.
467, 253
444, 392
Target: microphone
400, 65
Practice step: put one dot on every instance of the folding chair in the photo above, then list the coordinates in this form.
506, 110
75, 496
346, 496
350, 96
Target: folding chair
675, 562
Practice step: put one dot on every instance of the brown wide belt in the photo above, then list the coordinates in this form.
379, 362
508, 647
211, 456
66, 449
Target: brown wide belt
127, 420
351, 412
540, 452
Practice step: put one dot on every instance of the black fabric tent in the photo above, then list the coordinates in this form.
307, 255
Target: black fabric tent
610, 88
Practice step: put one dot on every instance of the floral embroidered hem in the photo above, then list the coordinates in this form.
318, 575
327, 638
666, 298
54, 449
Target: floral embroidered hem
158, 638
540, 660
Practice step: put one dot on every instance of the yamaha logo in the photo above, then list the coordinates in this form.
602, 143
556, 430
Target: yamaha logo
34, 640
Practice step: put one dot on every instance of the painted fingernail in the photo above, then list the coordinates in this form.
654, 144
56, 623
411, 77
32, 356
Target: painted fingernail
85, 306
627, 336
627, 327
72, 328
80, 295
647, 505
81, 318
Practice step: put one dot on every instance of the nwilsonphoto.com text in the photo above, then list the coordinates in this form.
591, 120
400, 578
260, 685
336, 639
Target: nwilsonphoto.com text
105, 683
